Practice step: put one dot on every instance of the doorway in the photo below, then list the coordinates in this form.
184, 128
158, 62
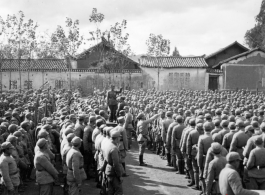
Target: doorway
213, 82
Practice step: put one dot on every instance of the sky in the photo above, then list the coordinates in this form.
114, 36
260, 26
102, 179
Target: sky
195, 27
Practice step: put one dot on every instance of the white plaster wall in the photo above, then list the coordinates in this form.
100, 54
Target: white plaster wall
197, 76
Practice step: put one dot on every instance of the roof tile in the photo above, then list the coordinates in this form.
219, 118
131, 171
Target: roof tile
173, 62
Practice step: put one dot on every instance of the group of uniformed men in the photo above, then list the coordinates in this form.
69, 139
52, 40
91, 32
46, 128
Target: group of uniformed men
215, 138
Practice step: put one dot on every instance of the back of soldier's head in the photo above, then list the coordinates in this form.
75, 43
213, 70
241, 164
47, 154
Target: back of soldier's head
179, 119
192, 122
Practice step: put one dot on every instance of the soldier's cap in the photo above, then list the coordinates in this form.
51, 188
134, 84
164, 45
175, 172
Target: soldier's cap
68, 130
115, 133
232, 126
208, 126
169, 113
199, 120
249, 128
224, 123
92, 119
76, 141
11, 138
12, 128
240, 123
258, 140
81, 116
17, 134
140, 116
216, 147
41, 142
232, 156
101, 127
6, 145
255, 124
99, 122
121, 119
49, 121
47, 127
70, 137
7, 115
42, 134
122, 112
208, 116
126, 107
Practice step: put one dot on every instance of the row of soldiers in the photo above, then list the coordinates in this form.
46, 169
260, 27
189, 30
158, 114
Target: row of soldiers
188, 128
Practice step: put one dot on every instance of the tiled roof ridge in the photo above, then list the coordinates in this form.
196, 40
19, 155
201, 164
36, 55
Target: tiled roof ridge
224, 48
238, 56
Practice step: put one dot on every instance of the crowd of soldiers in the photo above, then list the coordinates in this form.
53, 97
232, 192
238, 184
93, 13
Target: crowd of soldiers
215, 139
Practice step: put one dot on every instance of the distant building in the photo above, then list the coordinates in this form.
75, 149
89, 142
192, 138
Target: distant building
244, 71
176, 73
214, 73
99, 66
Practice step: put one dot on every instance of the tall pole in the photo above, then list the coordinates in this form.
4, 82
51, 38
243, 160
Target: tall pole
19, 64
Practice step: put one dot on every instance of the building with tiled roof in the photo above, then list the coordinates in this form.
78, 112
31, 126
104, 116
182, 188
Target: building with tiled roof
173, 62
176, 73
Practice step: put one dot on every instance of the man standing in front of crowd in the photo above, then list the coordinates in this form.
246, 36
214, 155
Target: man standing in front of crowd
112, 102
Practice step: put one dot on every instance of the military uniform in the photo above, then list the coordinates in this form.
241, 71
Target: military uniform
46, 174
75, 163
175, 142
10, 174
113, 169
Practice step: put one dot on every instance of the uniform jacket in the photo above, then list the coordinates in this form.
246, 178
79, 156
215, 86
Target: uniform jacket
79, 130
112, 97
75, 164
95, 133
256, 158
230, 182
169, 134
238, 142
249, 146
165, 125
228, 139
123, 139
9, 171
210, 157
215, 167
176, 136
111, 155
192, 140
46, 173
128, 121
204, 144
87, 138
185, 137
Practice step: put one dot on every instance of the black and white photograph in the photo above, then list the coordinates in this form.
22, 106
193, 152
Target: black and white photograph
132, 97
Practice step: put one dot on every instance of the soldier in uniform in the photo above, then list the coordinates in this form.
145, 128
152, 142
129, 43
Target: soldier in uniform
175, 143
112, 102
165, 125
88, 144
113, 169
229, 136
191, 151
214, 169
204, 144
256, 166
79, 126
46, 174
142, 134
9, 171
123, 145
75, 164
128, 125
168, 142
229, 179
